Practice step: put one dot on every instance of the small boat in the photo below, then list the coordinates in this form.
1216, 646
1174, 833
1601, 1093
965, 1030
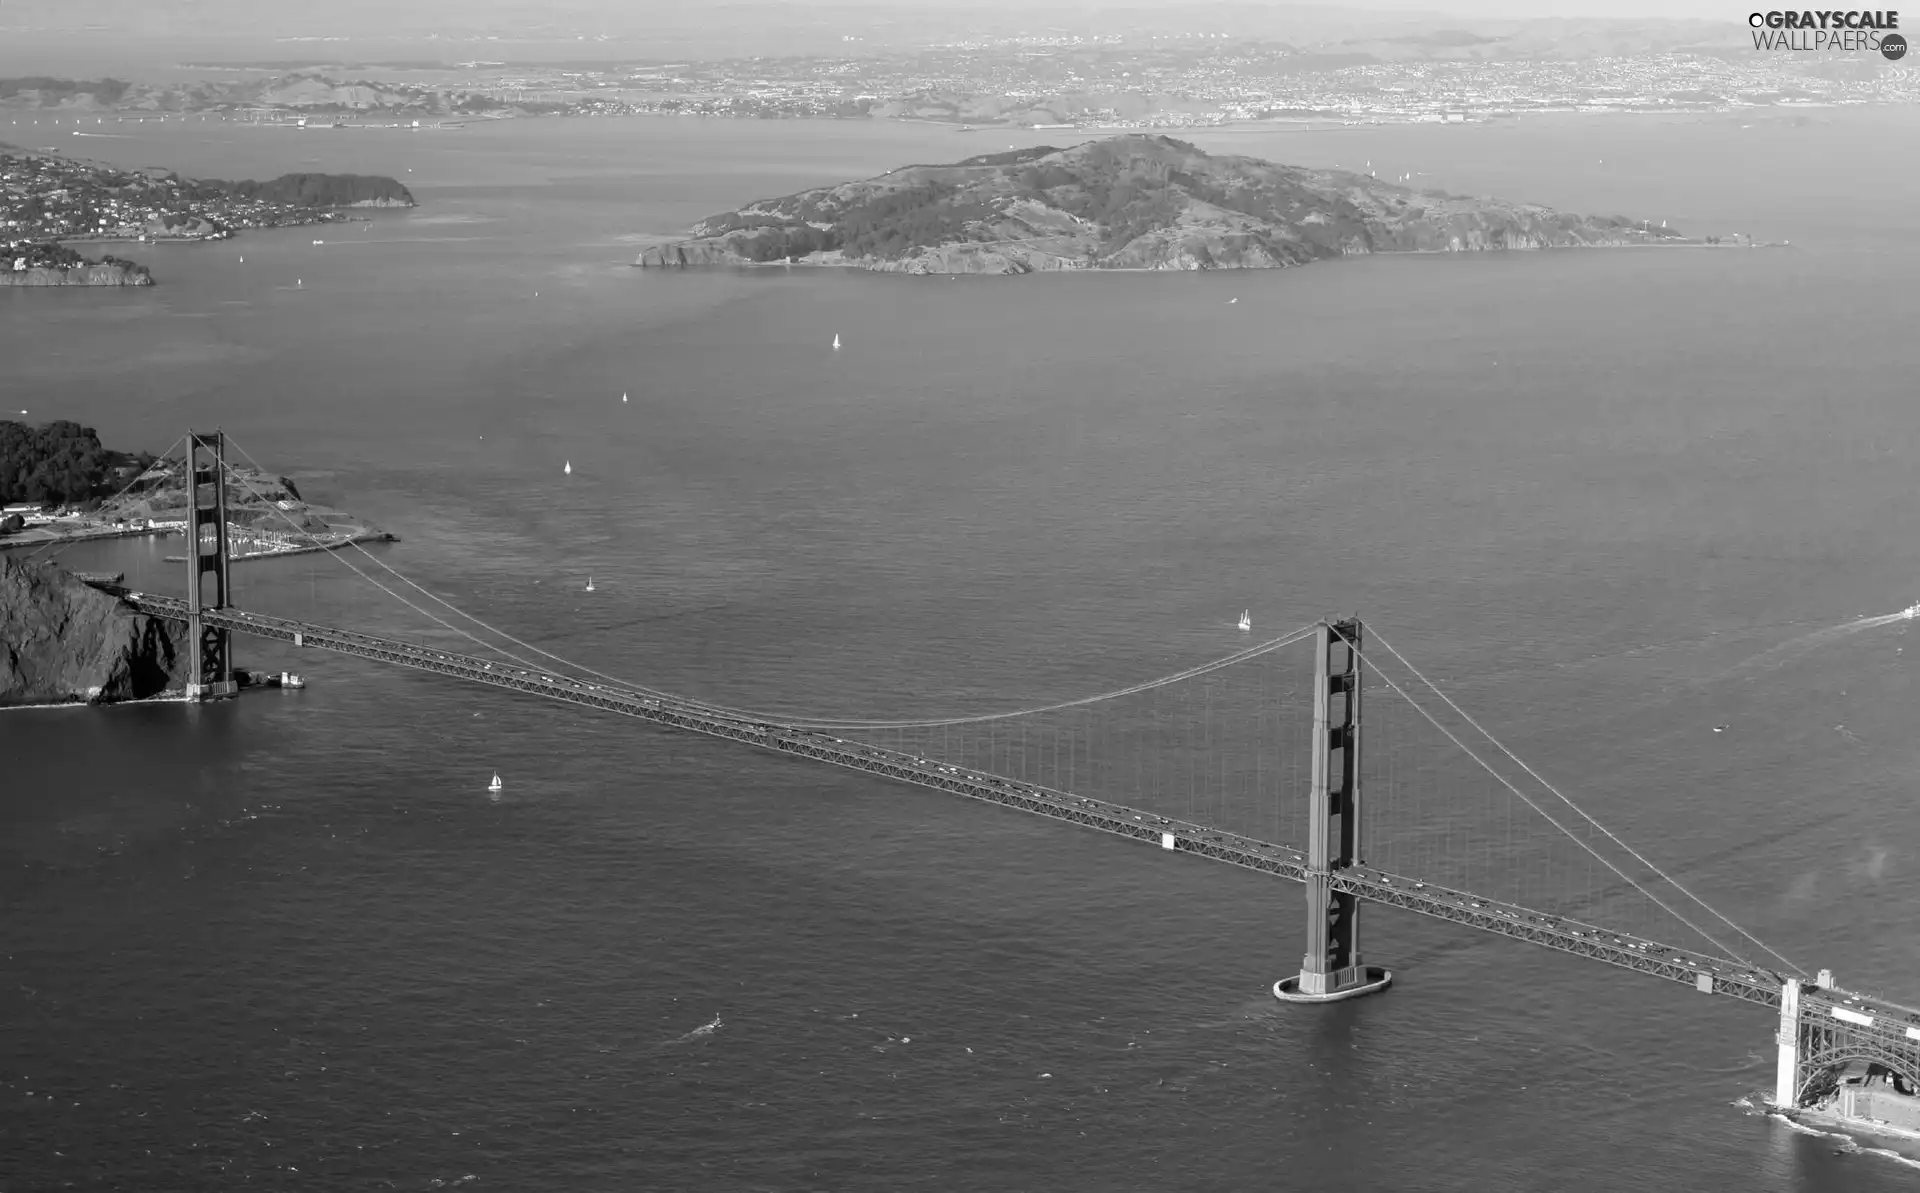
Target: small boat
589, 583
496, 784
1246, 619
569, 468
319, 242
243, 260
836, 339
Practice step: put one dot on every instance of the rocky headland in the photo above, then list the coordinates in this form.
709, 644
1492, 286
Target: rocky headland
63, 641
86, 273
1126, 202
58, 265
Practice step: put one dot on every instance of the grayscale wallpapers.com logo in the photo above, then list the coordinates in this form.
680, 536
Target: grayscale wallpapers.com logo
1831, 32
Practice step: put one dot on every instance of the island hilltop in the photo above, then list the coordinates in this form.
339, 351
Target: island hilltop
1128, 202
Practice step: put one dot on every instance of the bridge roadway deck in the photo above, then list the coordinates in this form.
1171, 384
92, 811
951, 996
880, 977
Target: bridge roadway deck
1895, 1025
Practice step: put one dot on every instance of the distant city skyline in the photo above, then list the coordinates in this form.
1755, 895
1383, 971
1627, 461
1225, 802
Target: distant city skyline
379, 19
143, 40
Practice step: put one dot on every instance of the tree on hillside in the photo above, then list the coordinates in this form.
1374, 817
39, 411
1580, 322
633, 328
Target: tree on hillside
59, 462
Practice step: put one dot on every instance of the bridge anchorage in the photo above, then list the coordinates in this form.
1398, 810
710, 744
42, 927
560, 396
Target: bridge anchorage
1332, 969
1167, 770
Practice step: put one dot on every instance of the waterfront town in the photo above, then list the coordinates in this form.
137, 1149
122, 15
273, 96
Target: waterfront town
47, 198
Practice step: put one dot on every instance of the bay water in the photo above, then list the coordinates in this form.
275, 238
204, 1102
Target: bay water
1611, 499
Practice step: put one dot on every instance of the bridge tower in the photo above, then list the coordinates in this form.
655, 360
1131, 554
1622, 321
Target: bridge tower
209, 648
1786, 1077
1332, 969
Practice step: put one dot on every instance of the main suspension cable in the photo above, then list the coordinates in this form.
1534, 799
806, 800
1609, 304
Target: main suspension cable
842, 723
1503, 781
1578, 810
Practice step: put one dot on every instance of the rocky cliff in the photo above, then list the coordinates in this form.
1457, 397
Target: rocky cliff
62, 641
91, 274
1127, 202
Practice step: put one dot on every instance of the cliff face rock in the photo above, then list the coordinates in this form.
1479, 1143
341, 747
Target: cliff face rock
1128, 202
78, 275
62, 641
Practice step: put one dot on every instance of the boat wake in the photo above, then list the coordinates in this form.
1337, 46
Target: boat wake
699, 1033
1779, 656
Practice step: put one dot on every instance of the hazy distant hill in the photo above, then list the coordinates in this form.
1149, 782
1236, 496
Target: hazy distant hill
1129, 202
310, 190
300, 91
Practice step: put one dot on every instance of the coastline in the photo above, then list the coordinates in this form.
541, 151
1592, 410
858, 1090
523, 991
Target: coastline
804, 263
1858, 1130
175, 697
156, 238
369, 536
29, 538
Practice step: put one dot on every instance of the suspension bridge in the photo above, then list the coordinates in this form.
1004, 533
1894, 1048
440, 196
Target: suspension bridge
1322, 756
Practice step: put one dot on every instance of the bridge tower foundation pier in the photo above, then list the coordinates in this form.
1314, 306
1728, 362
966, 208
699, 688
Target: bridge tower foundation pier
1786, 1076
1332, 969
209, 648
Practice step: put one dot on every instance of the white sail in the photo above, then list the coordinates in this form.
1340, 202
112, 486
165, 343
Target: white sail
569, 468
836, 339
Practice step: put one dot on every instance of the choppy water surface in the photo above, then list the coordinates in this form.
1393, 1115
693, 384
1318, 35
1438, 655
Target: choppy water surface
1614, 498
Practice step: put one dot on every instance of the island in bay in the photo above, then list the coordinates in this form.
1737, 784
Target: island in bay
48, 202
1126, 202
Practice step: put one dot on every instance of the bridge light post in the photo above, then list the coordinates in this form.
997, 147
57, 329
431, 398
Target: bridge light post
209, 648
1332, 969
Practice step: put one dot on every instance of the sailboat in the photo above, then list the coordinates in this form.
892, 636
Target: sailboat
1246, 619
589, 583
569, 468
496, 784
836, 339
623, 397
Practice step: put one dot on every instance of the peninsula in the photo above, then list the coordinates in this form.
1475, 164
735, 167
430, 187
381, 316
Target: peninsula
48, 201
58, 484
1126, 202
